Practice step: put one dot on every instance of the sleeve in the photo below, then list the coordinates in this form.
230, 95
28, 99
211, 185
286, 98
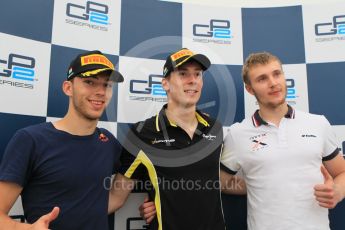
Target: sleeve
330, 147
16, 164
229, 160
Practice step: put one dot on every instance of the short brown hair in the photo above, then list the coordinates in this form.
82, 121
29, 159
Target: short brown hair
260, 58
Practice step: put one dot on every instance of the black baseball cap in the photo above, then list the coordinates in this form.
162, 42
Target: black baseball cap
91, 63
183, 56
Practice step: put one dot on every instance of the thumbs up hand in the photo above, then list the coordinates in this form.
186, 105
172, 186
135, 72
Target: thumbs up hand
327, 193
43, 222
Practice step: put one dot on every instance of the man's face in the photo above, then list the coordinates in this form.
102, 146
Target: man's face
267, 84
184, 85
90, 96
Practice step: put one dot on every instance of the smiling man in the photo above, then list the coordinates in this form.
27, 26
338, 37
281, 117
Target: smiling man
291, 164
59, 167
178, 152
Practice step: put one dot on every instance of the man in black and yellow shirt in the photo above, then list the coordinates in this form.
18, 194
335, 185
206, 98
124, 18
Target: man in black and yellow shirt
178, 151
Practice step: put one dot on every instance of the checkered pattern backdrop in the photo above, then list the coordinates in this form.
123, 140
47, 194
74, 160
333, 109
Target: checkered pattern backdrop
38, 38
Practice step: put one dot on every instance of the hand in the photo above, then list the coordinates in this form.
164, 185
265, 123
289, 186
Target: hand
327, 193
43, 222
147, 210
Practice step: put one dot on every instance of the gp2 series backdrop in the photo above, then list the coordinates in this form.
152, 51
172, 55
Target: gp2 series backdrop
38, 38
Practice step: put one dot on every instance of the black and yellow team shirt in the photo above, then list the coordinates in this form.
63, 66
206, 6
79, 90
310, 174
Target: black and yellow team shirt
183, 173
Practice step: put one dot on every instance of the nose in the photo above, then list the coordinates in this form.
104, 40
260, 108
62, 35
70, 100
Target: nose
100, 89
193, 78
273, 81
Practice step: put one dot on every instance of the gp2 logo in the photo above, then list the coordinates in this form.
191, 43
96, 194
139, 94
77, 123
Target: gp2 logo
291, 90
216, 29
93, 12
154, 86
19, 67
337, 26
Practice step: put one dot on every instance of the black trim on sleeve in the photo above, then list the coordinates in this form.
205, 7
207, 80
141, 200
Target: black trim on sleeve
332, 155
226, 169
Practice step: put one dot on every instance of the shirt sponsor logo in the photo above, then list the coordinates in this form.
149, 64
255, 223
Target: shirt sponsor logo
308, 135
258, 142
103, 137
155, 141
209, 137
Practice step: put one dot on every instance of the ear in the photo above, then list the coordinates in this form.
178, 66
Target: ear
249, 89
67, 88
165, 84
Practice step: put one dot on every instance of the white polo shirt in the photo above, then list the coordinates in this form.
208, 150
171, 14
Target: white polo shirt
281, 166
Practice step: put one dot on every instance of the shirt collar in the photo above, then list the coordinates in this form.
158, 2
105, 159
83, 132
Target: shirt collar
257, 119
162, 120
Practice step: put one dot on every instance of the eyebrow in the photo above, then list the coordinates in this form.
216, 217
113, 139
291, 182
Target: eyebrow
184, 68
277, 70
90, 77
262, 75
97, 78
274, 71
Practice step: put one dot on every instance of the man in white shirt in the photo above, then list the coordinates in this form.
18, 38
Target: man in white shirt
280, 151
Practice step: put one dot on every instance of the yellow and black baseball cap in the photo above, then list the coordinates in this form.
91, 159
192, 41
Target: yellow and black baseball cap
183, 56
91, 63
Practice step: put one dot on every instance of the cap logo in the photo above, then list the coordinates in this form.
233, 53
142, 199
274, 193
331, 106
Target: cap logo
165, 71
181, 53
96, 59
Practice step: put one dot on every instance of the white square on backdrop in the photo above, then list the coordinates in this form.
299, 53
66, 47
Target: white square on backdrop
213, 31
24, 75
88, 25
141, 95
324, 32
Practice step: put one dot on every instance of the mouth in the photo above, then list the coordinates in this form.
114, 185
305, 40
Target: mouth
191, 91
97, 104
275, 93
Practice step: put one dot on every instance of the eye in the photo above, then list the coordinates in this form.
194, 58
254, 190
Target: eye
89, 82
182, 73
277, 73
198, 74
109, 85
261, 79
